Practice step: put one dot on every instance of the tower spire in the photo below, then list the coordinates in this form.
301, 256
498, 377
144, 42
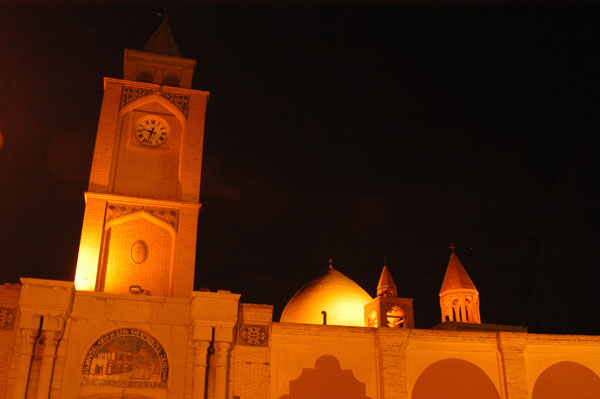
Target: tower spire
386, 285
162, 40
387, 309
459, 299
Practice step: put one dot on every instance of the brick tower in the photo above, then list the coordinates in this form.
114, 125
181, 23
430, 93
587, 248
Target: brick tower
387, 309
459, 299
142, 203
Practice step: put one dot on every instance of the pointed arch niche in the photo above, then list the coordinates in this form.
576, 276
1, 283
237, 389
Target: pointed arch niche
567, 380
145, 171
137, 250
454, 379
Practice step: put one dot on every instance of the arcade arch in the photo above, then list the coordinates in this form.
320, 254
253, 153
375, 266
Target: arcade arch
454, 379
566, 380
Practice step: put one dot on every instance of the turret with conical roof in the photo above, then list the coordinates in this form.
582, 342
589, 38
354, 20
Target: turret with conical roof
459, 299
387, 309
386, 286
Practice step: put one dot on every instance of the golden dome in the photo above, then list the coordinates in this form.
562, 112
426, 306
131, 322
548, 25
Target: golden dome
339, 296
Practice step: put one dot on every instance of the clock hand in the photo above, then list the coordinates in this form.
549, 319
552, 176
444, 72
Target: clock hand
151, 132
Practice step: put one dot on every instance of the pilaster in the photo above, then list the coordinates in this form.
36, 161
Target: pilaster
202, 340
221, 362
511, 346
28, 337
393, 359
49, 341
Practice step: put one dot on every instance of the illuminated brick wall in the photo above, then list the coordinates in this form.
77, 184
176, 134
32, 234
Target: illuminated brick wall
9, 300
251, 367
150, 269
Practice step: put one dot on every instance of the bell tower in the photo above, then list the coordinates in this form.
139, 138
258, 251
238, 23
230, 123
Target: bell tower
387, 309
142, 203
459, 299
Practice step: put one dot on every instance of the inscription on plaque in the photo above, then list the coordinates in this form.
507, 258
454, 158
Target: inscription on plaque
127, 357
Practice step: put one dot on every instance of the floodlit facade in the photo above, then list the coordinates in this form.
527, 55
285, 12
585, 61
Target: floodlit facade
131, 326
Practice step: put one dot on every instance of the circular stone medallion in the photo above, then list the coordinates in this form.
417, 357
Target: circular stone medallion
139, 252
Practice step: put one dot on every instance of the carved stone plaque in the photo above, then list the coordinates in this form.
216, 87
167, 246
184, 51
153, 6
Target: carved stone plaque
128, 358
7, 318
139, 252
252, 335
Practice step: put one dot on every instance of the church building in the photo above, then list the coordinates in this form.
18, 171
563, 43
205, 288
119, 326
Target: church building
132, 326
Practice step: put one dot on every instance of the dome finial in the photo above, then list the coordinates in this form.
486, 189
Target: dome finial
452, 247
331, 263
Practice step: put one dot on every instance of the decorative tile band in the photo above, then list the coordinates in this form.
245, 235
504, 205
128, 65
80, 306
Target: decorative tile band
128, 94
181, 101
116, 210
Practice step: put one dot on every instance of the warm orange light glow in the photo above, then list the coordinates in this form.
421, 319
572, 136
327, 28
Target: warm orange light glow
87, 267
339, 296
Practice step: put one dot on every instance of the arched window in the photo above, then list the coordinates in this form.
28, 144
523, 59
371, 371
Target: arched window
171, 80
395, 317
456, 315
373, 319
145, 76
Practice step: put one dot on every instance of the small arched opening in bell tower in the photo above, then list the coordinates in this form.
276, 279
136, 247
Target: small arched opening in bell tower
395, 317
372, 322
171, 80
144, 76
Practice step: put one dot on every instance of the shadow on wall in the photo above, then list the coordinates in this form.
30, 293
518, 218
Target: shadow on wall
326, 381
454, 379
567, 380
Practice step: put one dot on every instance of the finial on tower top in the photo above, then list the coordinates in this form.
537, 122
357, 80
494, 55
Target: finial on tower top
162, 41
452, 247
331, 263
164, 13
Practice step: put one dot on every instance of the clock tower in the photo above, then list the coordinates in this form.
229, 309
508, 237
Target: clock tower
142, 203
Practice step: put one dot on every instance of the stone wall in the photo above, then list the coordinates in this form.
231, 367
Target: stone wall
9, 301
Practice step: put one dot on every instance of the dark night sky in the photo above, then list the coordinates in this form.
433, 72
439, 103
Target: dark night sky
355, 132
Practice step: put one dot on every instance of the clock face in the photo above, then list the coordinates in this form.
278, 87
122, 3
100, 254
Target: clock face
151, 130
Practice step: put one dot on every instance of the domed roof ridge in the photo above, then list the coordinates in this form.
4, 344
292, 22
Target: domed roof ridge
332, 292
